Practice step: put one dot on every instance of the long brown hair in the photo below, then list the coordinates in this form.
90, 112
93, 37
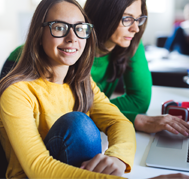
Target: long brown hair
33, 62
105, 16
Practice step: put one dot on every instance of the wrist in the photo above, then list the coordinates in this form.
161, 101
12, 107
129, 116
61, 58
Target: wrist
122, 164
141, 122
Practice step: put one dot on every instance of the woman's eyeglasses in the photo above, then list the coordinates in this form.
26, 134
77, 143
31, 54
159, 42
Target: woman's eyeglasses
128, 20
60, 29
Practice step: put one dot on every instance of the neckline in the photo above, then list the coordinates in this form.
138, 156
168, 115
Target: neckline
52, 83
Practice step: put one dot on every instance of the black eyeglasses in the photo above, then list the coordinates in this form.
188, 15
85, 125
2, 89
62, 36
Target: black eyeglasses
60, 29
128, 20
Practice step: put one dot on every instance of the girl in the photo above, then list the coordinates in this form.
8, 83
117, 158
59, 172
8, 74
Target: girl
51, 111
119, 25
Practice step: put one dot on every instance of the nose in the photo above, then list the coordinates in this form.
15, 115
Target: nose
71, 36
134, 27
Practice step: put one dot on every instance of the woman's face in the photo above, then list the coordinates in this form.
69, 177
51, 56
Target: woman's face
65, 50
124, 35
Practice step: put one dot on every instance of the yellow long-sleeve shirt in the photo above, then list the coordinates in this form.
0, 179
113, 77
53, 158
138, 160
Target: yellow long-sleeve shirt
28, 109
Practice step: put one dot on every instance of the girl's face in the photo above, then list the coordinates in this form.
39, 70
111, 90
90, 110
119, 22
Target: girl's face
65, 50
124, 35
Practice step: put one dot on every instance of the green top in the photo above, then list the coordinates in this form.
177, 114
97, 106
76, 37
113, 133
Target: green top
137, 81
137, 84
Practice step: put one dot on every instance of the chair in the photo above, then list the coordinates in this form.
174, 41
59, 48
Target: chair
7, 66
3, 163
160, 41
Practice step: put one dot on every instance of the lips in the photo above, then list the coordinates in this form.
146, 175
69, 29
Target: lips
129, 38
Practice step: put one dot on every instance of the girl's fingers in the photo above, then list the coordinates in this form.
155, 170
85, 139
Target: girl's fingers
90, 166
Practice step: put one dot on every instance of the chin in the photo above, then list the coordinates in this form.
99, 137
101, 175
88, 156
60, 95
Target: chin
125, 44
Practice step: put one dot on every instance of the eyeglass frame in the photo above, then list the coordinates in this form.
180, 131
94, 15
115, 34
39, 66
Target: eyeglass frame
134, 19
50, 23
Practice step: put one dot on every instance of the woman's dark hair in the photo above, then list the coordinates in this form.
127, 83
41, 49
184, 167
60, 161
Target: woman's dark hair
33, 62
105, 16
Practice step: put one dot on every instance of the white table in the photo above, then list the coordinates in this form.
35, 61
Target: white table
159, 94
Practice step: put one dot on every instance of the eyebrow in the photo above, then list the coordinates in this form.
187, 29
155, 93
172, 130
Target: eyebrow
67, 22
127, 14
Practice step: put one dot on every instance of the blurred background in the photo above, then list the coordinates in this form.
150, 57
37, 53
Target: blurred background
15, 17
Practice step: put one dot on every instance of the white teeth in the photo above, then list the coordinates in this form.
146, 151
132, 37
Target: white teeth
69, 50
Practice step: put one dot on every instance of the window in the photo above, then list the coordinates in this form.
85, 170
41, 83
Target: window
2, 6
35, 2
156, 6
82, 2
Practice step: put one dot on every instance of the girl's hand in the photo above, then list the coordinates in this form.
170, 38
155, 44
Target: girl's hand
153, 124
172, 176
105, 164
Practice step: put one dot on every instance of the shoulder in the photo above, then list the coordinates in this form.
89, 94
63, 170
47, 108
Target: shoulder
24, 92
140, 53
140, 48
95, 88
23, 88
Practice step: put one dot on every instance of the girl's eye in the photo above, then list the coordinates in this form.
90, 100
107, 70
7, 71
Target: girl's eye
58, 28
79, 29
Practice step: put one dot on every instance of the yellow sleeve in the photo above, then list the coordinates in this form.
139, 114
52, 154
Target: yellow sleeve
17, 115
120, 131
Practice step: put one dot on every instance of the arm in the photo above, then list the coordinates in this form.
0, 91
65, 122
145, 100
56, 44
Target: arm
120, 131
18, 115
138, 83
134, 103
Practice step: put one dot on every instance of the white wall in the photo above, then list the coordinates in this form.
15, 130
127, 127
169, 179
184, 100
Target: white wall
9, 25
159, 23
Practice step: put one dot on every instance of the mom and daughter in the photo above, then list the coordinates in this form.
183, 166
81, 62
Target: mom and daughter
52, 111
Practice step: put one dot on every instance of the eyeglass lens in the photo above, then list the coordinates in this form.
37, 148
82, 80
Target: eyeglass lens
61, 29
128, 21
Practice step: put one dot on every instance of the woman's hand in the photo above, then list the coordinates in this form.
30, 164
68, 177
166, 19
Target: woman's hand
172, 176
105, 164
153, 124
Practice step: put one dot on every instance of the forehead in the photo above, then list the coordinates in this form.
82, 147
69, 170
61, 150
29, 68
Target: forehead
134, 9
65, 11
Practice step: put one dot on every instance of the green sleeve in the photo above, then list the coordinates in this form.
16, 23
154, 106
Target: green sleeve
11, 61
15, 55
137, 84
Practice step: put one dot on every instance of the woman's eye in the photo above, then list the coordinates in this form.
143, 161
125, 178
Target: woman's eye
127, 19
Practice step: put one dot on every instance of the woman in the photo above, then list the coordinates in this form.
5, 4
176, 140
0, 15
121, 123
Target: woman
119, 25
50, 109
